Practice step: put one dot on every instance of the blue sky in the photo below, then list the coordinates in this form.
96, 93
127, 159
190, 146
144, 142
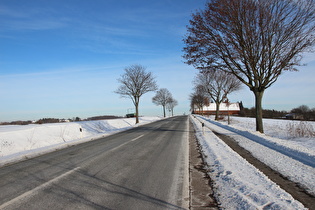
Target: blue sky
62, 58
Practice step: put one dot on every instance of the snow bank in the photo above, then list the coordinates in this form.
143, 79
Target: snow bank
239, 185
278, 129
21, 141
292, 158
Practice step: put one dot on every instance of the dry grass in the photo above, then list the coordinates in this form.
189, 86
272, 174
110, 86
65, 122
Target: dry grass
298, 129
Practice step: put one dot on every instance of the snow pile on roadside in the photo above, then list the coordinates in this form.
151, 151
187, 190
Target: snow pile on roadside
239, 185
21, 141
293, 160
279, 129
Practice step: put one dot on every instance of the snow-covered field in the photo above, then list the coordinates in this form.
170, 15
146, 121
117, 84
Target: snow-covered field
240, 185
24, 141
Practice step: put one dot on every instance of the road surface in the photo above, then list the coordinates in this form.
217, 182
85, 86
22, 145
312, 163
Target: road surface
142, 168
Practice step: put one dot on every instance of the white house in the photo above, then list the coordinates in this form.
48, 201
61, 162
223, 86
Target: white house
224, 109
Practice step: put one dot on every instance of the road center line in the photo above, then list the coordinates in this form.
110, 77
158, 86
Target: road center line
46, 184
137, 137
134, 139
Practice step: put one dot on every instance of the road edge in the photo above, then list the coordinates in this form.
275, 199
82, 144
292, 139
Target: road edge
200, 191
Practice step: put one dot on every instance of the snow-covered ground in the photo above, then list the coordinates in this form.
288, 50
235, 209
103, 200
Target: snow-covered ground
240, 185
24, 141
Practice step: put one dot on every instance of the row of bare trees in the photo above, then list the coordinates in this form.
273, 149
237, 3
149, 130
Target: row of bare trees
255, 41
136, 81
164, 98
213, 85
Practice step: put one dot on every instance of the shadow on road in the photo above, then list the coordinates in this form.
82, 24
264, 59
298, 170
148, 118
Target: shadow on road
91, 183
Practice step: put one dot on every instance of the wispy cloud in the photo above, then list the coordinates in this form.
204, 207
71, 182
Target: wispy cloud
35, 24
73, 70
34, 19
11, 13
107, 38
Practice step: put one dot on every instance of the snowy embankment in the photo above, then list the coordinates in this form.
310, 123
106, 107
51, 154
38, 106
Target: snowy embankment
239, 185
18, 142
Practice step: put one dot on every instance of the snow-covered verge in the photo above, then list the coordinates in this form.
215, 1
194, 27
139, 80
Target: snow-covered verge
292, 157
238, 184
18, 142
281, 129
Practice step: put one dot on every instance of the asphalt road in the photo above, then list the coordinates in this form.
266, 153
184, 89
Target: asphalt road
142, 168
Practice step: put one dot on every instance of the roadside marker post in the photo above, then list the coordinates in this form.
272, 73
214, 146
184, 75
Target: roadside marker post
203, 128
80, 132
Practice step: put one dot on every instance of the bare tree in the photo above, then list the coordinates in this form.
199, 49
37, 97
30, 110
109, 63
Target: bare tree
162, 98
134, 83
218, 84
199, 98
302, 110
254, 40
171, 104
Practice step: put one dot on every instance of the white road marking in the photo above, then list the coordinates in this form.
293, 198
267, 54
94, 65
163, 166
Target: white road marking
137, 137
38, 188
134, 139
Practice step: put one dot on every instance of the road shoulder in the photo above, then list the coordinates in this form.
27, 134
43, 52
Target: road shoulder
201, 194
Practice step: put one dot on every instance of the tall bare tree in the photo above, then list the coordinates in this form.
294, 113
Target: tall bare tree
171, 104
199, 98
134, 83
254, 40
162, 97
218, 84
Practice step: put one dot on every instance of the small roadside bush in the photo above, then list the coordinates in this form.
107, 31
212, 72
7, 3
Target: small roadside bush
300, 129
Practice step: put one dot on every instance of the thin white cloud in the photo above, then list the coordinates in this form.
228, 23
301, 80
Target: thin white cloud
35, 24
30, 19
10, 13
66, 70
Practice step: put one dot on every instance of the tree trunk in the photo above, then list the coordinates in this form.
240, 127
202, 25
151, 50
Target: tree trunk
164, 111
258, 110
217, 108
137, 99
137, 113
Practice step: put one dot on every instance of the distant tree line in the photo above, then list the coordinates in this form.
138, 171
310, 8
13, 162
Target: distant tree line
267, 113
47, 120
105, 117
302, 112
18, 122
57, 120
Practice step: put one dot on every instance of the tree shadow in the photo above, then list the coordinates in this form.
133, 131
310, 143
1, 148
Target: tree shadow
86, 182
